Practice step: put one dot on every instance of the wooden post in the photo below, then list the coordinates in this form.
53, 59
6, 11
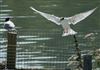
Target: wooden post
87, 62
11, 50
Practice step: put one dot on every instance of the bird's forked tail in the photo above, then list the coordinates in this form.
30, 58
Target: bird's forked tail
70, 32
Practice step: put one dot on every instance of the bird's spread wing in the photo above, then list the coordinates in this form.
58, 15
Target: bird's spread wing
79, 17
48, 16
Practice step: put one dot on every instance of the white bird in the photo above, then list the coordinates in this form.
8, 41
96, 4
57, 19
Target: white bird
9, 25
66, 21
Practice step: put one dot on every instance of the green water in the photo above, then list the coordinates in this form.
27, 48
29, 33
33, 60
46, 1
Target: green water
47, 43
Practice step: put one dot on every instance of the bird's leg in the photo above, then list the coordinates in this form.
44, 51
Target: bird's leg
78, 52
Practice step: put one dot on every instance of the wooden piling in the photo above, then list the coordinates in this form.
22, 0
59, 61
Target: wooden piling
87, 62
11, 50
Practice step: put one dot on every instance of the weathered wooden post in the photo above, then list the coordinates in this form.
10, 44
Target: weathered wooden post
11, 50
87, 62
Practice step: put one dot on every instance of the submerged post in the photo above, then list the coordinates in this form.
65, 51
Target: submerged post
87, 62
11, 50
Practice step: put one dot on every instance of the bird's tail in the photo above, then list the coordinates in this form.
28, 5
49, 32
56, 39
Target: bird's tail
70, 32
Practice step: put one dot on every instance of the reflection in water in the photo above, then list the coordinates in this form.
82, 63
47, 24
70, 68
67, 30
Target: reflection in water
26, 36
41, 52
38, 39
3, 15
3, 50
2, 20
53, 5
2, 41
3, 54
32, 58
3, 46
2, 30
20, 43
42, 62
6, 10
23, 66
19, 53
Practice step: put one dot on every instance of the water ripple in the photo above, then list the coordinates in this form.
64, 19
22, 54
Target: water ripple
26, 42
38, 38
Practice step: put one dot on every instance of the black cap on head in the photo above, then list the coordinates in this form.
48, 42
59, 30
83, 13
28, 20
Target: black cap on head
7, 19
62, 18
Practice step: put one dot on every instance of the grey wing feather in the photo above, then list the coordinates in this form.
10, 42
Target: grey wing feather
79, 17
48, 16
